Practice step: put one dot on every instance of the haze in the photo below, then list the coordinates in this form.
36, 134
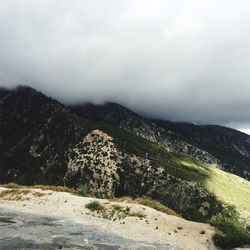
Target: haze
177, 60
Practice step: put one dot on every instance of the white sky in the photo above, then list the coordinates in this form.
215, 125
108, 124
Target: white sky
179, 60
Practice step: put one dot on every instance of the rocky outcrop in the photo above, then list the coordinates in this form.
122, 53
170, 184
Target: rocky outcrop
95, 159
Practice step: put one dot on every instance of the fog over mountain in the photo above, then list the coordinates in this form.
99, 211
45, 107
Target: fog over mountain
177, 60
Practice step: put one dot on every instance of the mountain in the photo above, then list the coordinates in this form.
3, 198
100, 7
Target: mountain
43, 142
113, 152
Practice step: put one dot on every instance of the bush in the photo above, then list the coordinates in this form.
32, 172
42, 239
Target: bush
83, 190
94, 206
230, 231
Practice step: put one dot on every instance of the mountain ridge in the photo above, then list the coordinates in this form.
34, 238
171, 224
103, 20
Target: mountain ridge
160, 131
224, 147
124, 118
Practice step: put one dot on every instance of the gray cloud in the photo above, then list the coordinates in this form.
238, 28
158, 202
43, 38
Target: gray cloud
179, 60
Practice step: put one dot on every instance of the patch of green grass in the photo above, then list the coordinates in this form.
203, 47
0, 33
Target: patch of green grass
230, 230
229, 188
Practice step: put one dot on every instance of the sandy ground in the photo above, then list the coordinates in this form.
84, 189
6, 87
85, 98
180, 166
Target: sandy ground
157, 227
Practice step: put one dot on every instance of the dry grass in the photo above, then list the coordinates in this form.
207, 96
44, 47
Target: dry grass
125, 199
54, 188
19, 194
117, 207
42, 187
113, 212
137, 214
14, 194
155, 205
38, 194
12, 185
146, 202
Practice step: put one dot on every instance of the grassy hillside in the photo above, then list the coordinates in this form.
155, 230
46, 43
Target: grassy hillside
227, 187
230, 188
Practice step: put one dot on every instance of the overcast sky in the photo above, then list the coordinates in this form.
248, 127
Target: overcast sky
178, 60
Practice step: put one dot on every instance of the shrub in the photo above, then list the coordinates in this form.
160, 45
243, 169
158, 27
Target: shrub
11, 185
127, 209
94, 206
230, 231
83, 190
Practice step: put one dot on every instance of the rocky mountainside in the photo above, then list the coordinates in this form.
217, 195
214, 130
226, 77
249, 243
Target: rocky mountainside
122, 117
229, 146
226, 148
35, 132
43, 142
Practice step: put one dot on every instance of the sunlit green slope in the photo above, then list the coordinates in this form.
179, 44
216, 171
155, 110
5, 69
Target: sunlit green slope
228, 187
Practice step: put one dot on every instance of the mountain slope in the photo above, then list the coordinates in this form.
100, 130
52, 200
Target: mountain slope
34, 133
230, 146
216, 145
122, 117
227, 187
